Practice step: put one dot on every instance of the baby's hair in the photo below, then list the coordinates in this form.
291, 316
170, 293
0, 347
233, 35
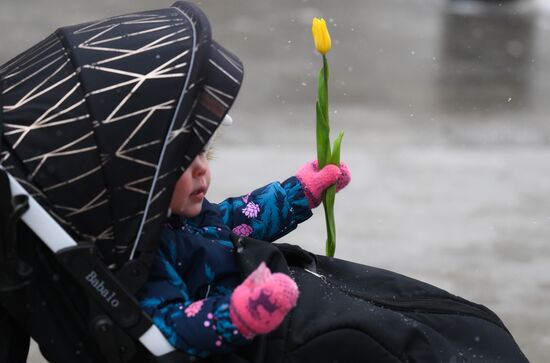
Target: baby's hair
210, 154
211, 145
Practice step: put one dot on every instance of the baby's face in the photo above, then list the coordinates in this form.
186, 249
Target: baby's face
191, 188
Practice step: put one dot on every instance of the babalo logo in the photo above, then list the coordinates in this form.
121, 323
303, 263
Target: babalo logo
109, 296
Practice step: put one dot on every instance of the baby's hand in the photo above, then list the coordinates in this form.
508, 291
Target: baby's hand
315, 182
261, 302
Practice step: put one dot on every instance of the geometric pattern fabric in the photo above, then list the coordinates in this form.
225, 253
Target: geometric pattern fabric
98, 119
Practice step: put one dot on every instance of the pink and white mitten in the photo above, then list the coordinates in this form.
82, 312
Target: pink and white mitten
261, 302
315, 182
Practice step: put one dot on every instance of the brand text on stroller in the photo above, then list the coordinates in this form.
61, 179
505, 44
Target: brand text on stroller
98, 284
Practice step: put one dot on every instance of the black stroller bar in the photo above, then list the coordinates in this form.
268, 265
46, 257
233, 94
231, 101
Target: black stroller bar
83, 264
14, 272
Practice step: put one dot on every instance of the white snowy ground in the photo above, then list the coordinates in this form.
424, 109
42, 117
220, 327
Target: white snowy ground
451, 179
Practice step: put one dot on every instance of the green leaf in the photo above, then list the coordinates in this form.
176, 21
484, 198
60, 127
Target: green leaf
328, 204
323, 142
335, 157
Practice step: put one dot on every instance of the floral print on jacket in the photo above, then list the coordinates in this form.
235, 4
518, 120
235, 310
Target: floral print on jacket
194, 271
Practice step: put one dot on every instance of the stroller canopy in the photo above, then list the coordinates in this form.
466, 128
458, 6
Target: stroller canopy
98, 119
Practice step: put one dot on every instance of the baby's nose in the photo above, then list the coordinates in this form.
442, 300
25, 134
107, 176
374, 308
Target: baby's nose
199, 165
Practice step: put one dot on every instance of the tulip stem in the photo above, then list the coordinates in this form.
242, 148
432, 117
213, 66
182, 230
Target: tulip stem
325, 86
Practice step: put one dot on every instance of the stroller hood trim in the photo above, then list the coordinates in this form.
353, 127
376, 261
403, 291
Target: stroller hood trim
167, 136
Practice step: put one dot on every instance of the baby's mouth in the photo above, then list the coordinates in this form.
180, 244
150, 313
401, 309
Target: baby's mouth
199, 193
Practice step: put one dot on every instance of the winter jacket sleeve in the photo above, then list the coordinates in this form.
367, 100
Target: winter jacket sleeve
267, 213
200, 328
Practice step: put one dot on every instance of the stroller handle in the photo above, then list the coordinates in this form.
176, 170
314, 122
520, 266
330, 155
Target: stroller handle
57, 239
40, 221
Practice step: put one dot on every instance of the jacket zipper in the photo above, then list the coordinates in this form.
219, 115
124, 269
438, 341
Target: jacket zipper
322, 277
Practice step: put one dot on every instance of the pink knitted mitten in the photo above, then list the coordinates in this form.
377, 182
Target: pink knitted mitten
315, 181
261, 302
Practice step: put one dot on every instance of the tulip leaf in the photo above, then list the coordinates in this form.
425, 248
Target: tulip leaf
328, 204
329, 199
335, 157
323, 142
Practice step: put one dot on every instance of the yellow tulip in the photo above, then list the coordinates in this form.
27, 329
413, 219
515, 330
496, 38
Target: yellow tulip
321, 37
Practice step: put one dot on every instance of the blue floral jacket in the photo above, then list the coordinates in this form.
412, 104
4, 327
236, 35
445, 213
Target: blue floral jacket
194, 271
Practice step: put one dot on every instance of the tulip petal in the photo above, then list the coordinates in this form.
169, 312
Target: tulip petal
321, 36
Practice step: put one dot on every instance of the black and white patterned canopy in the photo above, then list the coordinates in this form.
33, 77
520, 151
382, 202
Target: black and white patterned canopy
98, 118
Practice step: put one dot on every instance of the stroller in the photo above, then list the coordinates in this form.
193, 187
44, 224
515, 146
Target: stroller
97, 121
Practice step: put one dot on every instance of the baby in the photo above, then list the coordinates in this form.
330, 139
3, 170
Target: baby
195, 294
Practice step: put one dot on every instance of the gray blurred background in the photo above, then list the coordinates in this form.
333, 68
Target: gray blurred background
445, 107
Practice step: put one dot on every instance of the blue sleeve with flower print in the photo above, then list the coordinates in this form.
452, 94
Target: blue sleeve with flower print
193, 319
267, 213
200, 328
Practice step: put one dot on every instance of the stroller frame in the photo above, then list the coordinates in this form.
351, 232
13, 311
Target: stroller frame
190, 78
82, 263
